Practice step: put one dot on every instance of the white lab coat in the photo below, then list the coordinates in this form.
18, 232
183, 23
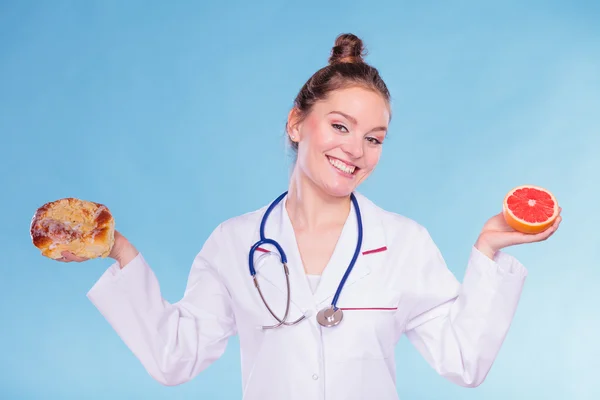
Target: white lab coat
399, 285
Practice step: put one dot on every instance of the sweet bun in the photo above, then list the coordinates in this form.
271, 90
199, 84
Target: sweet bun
81, 227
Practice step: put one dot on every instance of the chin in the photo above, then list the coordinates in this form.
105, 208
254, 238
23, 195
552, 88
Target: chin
338, 190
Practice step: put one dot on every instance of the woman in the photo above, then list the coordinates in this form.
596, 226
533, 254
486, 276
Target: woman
399, 283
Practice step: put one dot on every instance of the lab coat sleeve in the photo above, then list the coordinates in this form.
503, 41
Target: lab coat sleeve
174, 342
459, 328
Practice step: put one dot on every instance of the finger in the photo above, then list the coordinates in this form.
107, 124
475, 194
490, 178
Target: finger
545, 234
556, 225
552, 232
72, 257
538, 237
506, 239
515, 238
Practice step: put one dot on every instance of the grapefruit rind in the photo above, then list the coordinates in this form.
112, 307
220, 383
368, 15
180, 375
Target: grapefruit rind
521, 225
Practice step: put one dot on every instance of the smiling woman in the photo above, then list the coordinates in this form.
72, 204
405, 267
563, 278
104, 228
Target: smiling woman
355, 277
346, 131
346, 70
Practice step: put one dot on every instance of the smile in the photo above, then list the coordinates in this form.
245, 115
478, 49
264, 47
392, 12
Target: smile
342, 166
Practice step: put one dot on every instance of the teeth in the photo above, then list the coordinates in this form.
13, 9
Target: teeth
342, 166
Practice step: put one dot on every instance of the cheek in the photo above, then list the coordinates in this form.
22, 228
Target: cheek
318, 135
372, 158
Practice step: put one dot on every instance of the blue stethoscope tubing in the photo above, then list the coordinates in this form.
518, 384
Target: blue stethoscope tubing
329, 316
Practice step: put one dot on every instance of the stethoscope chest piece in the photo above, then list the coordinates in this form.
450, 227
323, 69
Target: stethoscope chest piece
329, 316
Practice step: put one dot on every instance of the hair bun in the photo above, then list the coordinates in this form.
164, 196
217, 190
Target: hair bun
348, 48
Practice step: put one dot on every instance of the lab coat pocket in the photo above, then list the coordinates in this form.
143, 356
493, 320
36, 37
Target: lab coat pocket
368, 329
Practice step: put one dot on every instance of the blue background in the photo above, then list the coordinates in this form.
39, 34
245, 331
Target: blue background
173, 113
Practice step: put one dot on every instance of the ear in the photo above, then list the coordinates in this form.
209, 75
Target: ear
293, 123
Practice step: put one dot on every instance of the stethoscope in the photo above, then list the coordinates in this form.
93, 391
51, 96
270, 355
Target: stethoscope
327, 317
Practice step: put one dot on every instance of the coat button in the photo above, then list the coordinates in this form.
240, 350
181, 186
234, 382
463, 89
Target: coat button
315, 377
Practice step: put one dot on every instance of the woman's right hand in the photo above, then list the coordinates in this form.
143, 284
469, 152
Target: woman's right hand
122, 251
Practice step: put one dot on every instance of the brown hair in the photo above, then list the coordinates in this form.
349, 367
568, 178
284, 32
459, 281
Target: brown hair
346, 68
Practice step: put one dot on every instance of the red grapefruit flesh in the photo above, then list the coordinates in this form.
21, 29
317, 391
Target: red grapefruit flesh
530, 209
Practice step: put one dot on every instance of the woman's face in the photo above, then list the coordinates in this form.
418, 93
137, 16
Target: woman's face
339, 141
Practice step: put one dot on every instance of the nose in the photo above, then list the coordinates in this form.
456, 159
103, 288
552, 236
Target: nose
354, 147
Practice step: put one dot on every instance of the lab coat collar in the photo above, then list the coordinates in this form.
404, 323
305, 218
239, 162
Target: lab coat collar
373, 243
279, 227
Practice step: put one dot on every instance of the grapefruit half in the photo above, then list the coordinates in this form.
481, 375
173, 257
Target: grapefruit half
530, 209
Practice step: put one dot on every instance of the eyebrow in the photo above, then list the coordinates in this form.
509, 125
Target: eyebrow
353, 120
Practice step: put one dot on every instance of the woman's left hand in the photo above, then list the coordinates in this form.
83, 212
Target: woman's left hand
497, 234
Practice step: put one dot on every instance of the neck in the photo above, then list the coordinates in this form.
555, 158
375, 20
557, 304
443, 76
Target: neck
311, 209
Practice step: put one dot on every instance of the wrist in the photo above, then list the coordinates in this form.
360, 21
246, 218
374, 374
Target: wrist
485, 248
123, 251
127, 255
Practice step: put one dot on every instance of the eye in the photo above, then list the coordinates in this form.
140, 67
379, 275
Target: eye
374, 140
339, 127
